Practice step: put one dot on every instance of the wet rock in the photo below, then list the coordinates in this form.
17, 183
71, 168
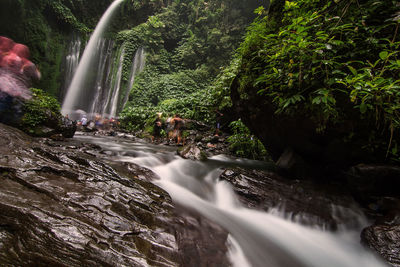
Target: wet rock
289, 163
201, 241
63, 207
192, 152
383, 236
57, 137
67, 130
385, 240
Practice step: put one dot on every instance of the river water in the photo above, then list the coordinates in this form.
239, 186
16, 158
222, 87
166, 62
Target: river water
256, 238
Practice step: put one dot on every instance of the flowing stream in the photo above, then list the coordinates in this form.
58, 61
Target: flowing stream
256, 238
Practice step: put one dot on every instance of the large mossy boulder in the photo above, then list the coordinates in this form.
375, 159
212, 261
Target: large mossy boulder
42, 118
318, 83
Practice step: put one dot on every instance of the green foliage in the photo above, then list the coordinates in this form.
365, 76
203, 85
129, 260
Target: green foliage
220, 93
39, 109
181, 92
327, 59
186, 46
66, 17
243, 144
135, 118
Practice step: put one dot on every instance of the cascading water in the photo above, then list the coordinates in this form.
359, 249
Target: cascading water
75, 95
72, 60
116, 86
137, 66
256, 238
105, 48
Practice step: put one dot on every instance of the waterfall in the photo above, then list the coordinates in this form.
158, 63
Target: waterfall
71, 62
137, 66
105, 48
72, 58
116, 87
104, 86
75, 97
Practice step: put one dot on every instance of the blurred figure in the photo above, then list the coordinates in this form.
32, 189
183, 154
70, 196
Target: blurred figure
157, 126
16, 70
84, 122
178, 123
16, 75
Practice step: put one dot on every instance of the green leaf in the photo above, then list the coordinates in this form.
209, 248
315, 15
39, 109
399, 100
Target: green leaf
316, 100
383, 55
353, 70
363, 108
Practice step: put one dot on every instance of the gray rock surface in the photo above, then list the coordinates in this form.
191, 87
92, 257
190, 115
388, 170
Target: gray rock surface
62, 206
384, 239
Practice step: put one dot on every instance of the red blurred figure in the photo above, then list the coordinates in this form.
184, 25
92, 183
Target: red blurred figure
12, 61
30, 70
21, 50
5, 44
16, 70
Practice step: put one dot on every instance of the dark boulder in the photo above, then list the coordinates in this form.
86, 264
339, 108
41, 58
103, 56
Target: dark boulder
372, 180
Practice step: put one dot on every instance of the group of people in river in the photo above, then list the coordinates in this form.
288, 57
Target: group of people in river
97, 123
173, 127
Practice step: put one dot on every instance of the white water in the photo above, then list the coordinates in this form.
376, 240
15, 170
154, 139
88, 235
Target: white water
104, 47
257, 238
72, 59
117, 85
83, 69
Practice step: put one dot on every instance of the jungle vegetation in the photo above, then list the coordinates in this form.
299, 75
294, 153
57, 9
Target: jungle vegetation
337, 61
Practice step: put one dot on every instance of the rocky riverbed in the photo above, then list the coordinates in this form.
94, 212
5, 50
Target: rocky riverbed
66, 203
63, 206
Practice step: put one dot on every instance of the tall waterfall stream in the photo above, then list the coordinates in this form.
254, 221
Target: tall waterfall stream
256, 238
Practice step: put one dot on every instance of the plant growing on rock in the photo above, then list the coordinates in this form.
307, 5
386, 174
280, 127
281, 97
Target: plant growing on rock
42, 109
243, 144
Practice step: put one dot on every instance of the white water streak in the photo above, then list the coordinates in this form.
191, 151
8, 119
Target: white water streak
117, 84
72, 59
104, 48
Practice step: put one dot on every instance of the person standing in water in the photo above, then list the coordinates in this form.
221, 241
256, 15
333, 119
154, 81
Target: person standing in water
178, 128
157, 126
